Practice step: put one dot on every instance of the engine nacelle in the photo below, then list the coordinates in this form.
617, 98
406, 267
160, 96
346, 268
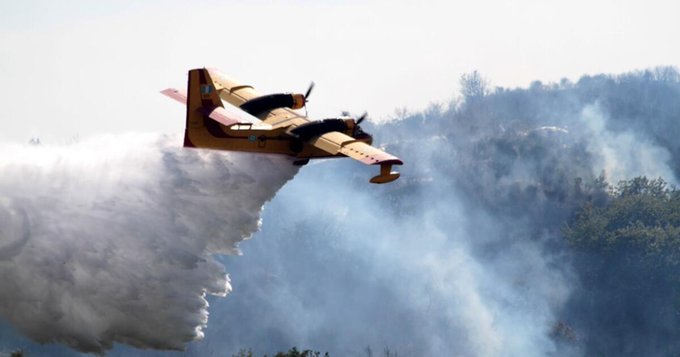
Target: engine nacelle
266, 103
309, 130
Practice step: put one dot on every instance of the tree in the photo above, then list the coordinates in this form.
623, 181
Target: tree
293, 352
473, 85
627, 255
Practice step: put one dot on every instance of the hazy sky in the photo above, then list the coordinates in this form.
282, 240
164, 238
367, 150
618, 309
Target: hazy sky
71, 69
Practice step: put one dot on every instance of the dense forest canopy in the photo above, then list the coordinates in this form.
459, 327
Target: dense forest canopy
627, 255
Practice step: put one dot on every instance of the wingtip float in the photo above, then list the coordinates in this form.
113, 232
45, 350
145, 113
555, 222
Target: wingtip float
225, 115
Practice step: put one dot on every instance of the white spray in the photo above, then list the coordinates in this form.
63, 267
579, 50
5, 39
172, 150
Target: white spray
112, 239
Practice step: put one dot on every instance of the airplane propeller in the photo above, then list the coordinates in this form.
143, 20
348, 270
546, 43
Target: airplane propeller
362, 118
309, 91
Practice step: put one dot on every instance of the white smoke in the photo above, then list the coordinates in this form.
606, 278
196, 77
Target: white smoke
112, 239
438, 278
622, 155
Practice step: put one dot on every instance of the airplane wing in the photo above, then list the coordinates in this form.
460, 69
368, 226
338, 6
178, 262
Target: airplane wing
339, 143
236, 94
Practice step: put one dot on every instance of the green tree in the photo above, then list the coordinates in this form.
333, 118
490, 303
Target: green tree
641, 220
627, 255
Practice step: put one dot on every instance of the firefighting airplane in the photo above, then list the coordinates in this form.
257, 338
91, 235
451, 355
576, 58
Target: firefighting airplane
225, 115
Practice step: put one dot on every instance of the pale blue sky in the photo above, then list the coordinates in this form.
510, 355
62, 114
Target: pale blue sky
77, 68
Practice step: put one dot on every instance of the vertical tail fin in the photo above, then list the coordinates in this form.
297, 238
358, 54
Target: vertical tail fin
207, 119
202, 97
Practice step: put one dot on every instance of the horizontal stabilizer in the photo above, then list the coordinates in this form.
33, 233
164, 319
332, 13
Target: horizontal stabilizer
231, 113
176, 94
227, 115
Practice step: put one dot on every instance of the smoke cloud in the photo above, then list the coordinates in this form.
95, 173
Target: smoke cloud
113, 239
622, 155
